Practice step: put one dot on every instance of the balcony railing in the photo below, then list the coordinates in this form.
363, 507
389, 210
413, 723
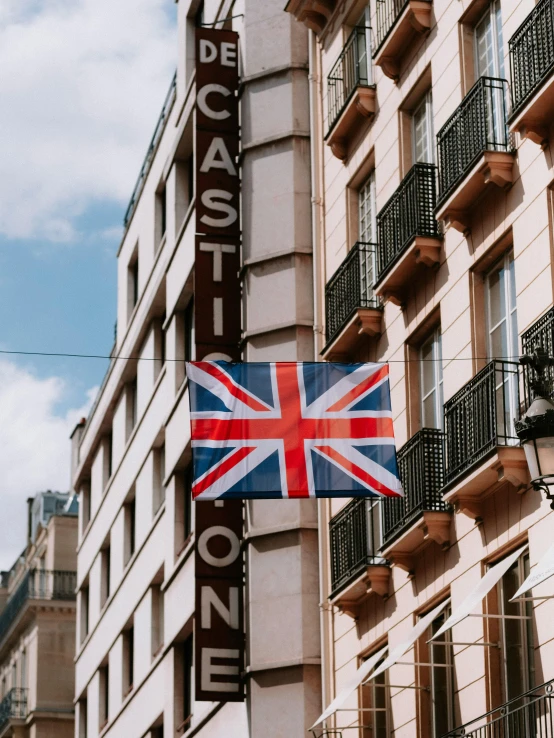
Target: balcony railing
355, 538
539, 335
13, 706
408, 213
477, 125
532, 53
352, 69
147, 163
481, 417
350, 288
421, 466
527, 716
37, 584
388, 12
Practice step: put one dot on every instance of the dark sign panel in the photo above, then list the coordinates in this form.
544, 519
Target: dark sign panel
219, 560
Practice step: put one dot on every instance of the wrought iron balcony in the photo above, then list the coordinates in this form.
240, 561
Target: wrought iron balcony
408, 216
476, 135
532, 64
349, 295
421, 467
480, 417
147, 163
398, 22
37, 584
527, 716
13, 706
539, 335
350, 92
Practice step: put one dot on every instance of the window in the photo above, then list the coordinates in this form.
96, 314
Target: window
516, 634
104, 695
430, 359
422, 131
161, 215
83, 615
108, 447
364, 48
367, 228
159, 477
23, 670
129, 529
83, 715
189, 331
199, 16
374, 532
105, 561
375, 703
157, 619
85, 506
131, 408
183, 511
128, 660
501, 313
183, 684
132, 284
489, 46
441, 695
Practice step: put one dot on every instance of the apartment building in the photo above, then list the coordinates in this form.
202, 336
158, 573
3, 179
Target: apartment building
37, 624
433, 179
135, 670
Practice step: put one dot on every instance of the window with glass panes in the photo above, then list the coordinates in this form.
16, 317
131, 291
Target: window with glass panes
363, 49
502, 340
374, 534
489, 62
367, 226
430, 359
374, 717
441, 659
422, 131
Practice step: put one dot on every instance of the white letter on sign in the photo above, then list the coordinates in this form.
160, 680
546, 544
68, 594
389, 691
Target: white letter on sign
231, 614
209, 201
228, 55
207, 685
219, 530
208, 51
205, 108
217, 147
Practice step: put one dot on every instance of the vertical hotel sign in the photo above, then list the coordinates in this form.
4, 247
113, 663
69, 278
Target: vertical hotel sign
219, 629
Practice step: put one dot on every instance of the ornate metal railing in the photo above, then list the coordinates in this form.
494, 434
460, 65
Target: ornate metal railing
408, 213
350, 287
37, 584
532, 53
477, 125
352, 69
421, 467
388, 12
147, 163
527, 716
355, 538
481, 417
13, 706
539, 335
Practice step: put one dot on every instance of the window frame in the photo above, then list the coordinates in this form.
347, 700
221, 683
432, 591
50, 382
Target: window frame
435, 338
425, 104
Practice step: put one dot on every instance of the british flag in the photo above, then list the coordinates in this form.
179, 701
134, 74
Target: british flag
271, 430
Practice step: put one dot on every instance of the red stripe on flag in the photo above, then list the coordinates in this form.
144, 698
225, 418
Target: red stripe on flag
357, 471
238, 392
360, 389
228, 463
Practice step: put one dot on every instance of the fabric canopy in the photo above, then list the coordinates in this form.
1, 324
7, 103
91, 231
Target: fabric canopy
475, 597
543, 570
417, 631
351, 685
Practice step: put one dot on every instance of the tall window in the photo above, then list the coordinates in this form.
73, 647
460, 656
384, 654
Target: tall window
375, 703
105, 563
129, 529
128, 660
159, 477
132, 283
104, 695
364, 48
441, 658
374, 532
502, 337
430, 355
489, 46
516, 633
422, 131
183, 684
367, 226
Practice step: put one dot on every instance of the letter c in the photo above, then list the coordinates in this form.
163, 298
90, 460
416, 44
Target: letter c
205, 108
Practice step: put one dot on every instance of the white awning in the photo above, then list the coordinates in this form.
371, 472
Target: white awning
543, 570
475, 597
417, 631
351, 685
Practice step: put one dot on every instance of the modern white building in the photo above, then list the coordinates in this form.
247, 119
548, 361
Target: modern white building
136, 606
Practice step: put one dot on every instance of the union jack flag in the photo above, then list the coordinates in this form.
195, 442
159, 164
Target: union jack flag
272, 430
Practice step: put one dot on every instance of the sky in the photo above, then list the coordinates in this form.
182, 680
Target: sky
82, 83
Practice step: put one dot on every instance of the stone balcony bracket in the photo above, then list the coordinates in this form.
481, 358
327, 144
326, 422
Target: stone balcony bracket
374, 580
364, 322
415, 20
314, 14
361, 106
423, 251
533, 121
430, 526
506, 466
493, 167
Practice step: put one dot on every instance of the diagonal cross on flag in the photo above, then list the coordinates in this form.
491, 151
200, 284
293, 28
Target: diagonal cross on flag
291, 430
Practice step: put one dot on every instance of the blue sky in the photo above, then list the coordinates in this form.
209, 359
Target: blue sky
82, 83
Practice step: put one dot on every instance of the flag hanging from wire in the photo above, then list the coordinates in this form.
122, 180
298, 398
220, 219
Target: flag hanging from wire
291, 430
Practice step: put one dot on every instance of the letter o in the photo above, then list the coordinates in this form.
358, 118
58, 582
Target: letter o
205, 108
218, 530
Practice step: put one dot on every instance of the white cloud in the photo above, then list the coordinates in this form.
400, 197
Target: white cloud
81, 85
34, 447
